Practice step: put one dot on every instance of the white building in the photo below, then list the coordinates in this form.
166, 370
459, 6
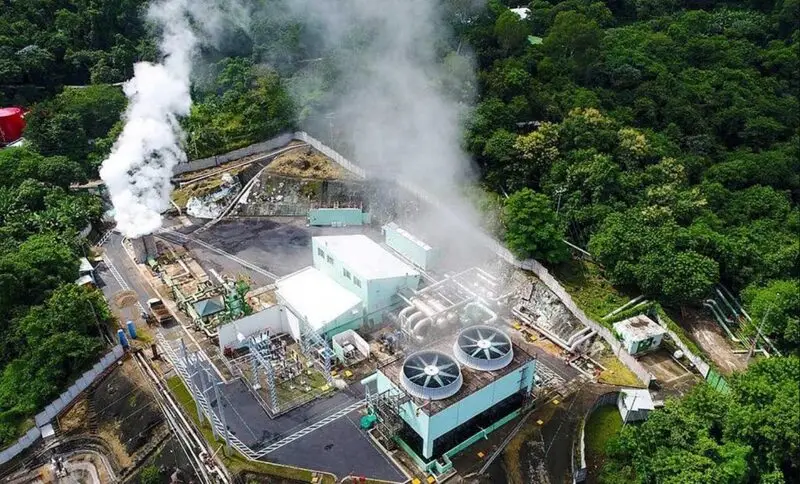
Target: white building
634, 404
639, 334
315, 298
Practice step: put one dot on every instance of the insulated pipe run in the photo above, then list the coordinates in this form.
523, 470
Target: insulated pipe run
492, 315
574, 346
577, 335
404, 314
418, 327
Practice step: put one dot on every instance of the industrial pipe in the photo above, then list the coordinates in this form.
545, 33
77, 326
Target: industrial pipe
574, 346
416, 330
477, 304
720, 319
577, 335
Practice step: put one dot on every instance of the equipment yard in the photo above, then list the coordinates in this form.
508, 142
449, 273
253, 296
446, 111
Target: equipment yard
275, 370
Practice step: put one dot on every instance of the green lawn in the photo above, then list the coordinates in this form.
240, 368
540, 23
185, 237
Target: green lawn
236, 462
603, 424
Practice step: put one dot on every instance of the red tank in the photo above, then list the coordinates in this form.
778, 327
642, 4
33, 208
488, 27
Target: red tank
12, 122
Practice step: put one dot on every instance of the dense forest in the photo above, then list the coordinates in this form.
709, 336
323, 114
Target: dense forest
662, 136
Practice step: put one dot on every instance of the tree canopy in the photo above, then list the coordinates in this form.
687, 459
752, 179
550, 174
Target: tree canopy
750, 434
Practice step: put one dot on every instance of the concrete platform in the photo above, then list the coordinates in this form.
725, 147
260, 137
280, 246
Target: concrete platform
342, 448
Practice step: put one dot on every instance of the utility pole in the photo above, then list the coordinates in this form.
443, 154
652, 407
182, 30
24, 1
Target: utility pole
559, 191
758, 330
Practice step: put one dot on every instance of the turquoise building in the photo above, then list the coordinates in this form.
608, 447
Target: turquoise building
412, 248
435, 429
366, 269
337, 217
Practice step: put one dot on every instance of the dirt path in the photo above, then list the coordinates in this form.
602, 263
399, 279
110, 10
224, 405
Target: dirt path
712, 339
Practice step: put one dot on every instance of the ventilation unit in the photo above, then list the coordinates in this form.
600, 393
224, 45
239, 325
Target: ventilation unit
431, 375
483, 348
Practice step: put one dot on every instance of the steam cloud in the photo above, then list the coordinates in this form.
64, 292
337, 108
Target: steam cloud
392, 100
138, 170
400, 100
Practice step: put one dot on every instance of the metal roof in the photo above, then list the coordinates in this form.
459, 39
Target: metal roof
637, 399
364, 257
639, 327
316, 298
208, 307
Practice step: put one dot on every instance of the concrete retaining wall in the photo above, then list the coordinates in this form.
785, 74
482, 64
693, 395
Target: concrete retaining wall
59, 404
201, 164
579, 465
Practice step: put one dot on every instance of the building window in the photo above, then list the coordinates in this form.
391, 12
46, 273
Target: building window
329, 259
357, 282
346, 273
321, 253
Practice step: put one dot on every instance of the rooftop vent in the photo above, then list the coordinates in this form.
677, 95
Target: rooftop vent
431, 375
483, 348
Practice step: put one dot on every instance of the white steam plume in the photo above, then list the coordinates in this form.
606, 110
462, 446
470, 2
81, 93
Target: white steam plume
137, 172
400, 98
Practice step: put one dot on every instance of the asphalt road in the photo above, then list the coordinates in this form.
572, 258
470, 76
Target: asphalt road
342, 448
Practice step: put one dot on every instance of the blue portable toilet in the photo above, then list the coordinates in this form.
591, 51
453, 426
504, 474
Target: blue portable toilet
131, 329
122, 339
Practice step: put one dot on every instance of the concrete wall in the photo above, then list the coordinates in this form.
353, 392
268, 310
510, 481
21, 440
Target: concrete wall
271, 318
269, 145
337, 217
421, 256
59, 404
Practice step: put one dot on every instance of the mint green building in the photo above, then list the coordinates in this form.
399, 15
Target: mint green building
409, 246
366, 269
337, 217
434, 429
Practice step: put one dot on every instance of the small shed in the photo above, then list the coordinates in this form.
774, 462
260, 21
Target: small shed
85, 273
639, 334
634, 404
206, 308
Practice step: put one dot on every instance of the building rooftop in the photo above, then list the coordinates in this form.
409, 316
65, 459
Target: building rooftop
85, 267
210, 306
474, 380
637, 399
316, 297
408, 235
639, 327
365, 257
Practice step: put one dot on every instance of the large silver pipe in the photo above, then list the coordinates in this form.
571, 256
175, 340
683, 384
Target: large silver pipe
416, 331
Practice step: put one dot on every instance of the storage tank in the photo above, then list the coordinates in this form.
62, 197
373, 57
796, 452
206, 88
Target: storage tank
12, 122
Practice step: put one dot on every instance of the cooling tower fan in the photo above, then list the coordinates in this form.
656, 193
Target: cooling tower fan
431, 375
483, 348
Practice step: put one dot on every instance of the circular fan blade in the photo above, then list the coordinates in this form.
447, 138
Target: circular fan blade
448, 375
439, 380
